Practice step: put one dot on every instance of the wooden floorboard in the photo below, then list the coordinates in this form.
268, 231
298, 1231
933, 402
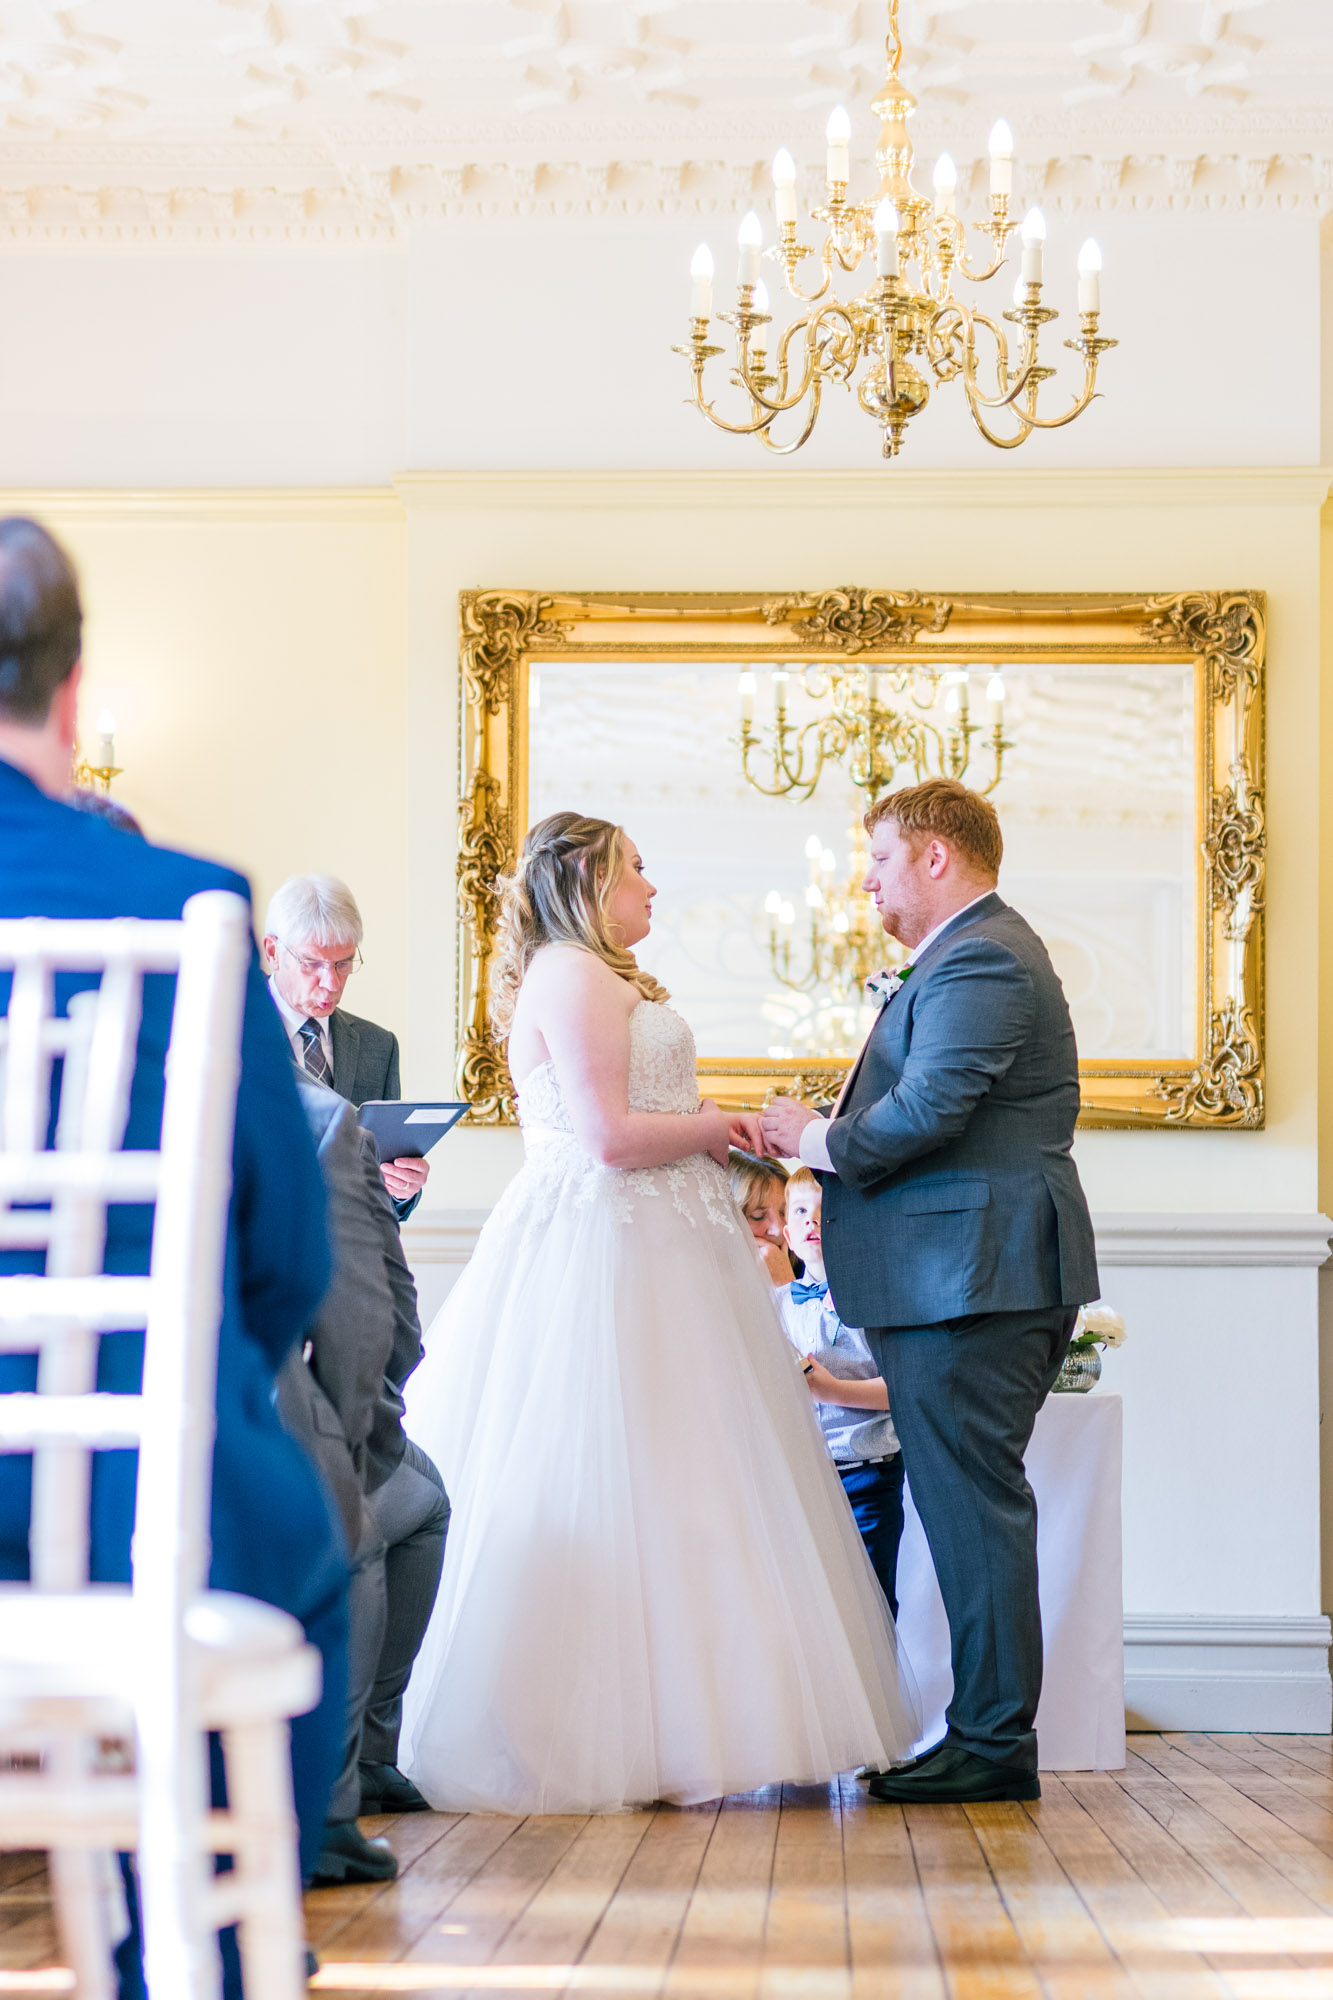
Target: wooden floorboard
1202, 1871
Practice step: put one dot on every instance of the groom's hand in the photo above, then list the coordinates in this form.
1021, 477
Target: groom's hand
784, 1122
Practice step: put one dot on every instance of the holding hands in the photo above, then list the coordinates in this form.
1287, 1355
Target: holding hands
782, 1124
730, 1128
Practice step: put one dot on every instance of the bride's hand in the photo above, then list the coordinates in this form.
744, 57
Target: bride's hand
717, 1131
747, 1132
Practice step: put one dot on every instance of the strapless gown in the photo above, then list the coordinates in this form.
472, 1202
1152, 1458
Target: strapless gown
653, 1586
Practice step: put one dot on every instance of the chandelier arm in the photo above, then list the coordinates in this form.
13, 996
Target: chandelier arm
993, 437
1036, 423
778, 404
783, 450
1021, 381
709, 409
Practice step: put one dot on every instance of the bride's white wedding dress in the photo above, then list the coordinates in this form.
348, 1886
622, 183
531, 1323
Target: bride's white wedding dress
653, 1585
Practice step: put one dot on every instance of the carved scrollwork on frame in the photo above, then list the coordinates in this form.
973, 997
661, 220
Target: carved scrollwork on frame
1228, 1087
1235, 851
1215, 1081
1226, 627
497, 628
853, 620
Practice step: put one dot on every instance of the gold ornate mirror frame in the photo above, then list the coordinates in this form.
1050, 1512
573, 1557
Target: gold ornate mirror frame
1219, 1084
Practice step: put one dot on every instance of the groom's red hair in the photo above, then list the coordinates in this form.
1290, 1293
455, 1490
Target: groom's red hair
944, 809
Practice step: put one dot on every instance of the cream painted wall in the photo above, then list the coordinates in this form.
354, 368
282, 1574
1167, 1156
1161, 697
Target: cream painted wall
1001, 529
252, 650
533, 342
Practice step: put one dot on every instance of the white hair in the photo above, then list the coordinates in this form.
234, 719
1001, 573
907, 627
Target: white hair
313, 909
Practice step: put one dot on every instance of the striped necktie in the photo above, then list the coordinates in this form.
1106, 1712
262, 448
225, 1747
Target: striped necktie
315, 1061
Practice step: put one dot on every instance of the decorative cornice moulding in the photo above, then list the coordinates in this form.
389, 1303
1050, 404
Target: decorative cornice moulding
783, 487
269, 201
294, 504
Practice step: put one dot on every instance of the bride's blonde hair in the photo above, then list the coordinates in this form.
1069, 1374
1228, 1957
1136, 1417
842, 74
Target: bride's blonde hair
557, 894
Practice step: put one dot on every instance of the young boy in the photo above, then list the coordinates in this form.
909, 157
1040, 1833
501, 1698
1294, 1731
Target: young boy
851, 1400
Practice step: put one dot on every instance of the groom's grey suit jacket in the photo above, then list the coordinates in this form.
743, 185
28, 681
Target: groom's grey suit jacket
955, 1189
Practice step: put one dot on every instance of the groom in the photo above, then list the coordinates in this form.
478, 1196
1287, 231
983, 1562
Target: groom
956, 1233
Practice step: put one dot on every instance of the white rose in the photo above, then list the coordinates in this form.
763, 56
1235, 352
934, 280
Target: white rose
1101, 1323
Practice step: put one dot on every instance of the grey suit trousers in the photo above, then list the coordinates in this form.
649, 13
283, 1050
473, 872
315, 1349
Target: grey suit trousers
964, 1395
411, 1512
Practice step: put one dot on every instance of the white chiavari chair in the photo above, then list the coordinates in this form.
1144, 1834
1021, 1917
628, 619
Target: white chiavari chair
160, 1662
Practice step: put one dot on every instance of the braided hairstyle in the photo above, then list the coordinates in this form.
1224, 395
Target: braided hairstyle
557, 895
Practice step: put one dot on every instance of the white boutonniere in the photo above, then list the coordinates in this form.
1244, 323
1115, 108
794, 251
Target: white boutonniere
881, 986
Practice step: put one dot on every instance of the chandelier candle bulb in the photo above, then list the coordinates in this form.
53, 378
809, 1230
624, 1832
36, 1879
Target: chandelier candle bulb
995, 700
747, 692
701, 271
1001, 160
750, 238
886, 240
838, 132
1090, 277
780, 693
1034, 240
784, 187
945, 181
106, 730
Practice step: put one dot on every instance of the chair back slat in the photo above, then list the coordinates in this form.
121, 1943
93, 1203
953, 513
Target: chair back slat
30, 1050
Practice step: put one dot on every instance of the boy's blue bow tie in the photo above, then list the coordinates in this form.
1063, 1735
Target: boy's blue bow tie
800, 1292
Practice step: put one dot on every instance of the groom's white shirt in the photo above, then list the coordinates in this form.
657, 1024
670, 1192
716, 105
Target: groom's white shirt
813, 1147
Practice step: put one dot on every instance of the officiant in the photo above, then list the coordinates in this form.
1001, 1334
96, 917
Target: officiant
311, 947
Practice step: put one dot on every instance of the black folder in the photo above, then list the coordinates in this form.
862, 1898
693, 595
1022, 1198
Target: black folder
406, 1131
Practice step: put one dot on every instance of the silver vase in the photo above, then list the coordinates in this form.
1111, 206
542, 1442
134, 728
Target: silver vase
1080, 1371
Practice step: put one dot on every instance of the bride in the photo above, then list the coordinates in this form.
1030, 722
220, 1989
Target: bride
653, 1586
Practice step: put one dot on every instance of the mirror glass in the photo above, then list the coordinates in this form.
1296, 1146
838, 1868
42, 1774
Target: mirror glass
761, 932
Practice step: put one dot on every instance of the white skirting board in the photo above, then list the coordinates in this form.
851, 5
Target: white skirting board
1228, 1673
1192, 1402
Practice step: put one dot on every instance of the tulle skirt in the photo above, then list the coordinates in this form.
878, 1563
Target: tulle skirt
653, 1586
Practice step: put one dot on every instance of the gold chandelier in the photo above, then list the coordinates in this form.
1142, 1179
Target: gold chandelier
866, 730
896, 321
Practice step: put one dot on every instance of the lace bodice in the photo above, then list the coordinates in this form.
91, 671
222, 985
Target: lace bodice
662, 1077
662, 1062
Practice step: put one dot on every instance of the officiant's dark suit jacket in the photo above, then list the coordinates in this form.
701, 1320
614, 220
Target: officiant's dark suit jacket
365, 1069
272, 1533
365, 1059
955, 1190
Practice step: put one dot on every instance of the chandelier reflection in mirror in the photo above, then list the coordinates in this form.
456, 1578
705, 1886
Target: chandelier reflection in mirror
830, 956
880, 721
899, 320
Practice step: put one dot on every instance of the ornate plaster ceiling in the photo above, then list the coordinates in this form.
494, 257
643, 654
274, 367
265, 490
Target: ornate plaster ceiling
349, 119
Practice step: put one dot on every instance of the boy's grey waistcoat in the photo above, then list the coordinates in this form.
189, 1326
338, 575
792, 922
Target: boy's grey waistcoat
955, 1190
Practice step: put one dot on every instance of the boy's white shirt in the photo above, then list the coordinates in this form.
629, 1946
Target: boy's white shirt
805, 1327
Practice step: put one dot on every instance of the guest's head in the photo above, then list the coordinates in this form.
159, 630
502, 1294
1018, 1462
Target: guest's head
577, 881
934, 848
41, 638
805, 1205
312, 942
100, 805
758, 1188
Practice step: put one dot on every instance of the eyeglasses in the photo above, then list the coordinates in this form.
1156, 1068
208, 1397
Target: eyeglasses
312, 967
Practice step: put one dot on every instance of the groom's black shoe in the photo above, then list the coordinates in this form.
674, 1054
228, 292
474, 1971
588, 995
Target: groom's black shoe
955, 1777
896, 1770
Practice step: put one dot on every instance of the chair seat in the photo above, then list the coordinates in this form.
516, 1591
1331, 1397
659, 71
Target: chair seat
249, 1661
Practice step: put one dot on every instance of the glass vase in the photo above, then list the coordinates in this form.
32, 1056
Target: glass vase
1080, 1371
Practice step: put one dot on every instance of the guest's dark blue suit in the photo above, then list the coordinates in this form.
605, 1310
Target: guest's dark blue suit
273, 1534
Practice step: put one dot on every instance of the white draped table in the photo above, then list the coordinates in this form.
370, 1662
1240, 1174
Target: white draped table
1073, 1465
